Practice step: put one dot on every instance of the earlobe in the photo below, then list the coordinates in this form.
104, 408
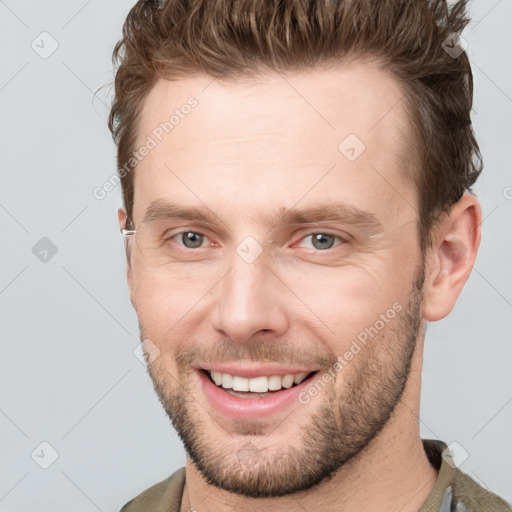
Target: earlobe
455, 243
121, 218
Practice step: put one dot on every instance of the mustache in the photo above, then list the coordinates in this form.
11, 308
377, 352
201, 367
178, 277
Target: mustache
265, 351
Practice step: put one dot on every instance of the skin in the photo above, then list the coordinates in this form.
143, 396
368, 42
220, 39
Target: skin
251, 148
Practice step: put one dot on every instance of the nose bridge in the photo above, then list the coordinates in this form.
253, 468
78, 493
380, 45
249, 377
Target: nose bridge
247, 302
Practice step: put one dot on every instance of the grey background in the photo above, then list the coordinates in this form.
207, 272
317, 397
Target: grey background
68, 373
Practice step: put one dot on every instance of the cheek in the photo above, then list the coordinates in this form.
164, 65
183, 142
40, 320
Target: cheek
159, 305
170, 310
345, 303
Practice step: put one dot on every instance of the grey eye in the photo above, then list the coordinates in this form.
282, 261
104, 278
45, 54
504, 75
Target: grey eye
192, 240
322, 241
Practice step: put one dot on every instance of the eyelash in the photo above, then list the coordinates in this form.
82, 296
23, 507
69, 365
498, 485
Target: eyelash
340, 238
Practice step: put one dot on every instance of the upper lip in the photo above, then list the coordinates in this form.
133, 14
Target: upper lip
250, 372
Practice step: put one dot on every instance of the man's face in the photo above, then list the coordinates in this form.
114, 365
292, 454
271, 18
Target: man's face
260, 292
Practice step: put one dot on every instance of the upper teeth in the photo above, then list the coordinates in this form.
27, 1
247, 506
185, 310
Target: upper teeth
257, 384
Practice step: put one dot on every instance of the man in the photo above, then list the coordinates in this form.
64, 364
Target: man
296, 179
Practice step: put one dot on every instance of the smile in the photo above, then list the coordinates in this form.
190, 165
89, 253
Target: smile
260, 384
254, 394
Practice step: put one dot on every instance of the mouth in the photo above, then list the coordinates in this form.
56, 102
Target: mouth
245, 392
257, 386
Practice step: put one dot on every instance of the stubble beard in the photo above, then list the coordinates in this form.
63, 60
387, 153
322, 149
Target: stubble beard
345, 423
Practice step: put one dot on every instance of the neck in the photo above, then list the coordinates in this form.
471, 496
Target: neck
391, 473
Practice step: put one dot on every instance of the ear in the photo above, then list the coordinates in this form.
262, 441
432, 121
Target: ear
449, 262
121, 218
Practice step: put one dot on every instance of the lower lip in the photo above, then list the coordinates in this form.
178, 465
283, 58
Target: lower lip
250, 408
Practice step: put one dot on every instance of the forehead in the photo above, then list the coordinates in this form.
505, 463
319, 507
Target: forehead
276, 133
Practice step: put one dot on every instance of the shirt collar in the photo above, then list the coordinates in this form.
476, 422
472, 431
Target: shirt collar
441, 497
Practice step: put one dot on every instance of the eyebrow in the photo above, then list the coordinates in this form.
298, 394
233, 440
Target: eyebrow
159, 210
330, 212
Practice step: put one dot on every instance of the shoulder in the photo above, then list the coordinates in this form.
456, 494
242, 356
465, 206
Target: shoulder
165, 496
456, 491
469, 496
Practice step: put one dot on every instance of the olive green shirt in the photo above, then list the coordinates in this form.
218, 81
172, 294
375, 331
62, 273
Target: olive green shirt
454, 491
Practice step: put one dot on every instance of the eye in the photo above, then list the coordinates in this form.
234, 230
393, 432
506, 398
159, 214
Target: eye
322, 241
190, 239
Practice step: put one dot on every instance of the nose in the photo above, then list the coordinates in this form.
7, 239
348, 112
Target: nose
250, 299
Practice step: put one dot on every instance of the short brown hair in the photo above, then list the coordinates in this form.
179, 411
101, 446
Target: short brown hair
234, 38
